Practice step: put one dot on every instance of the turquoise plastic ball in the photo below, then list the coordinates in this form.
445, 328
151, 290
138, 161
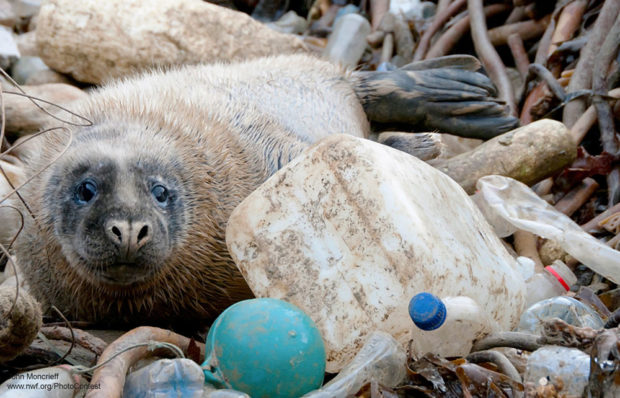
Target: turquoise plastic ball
266, 348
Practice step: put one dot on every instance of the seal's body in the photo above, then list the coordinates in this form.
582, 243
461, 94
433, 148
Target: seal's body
129, 222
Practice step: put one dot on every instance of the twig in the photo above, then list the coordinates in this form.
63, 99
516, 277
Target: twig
526, 245
521, 341
582, 76
587, 120
440, 19
515, 43
606, 125
568, 22
442, 5
577, 197
605, 56
488, 56
84, 339
517, 14
499, 359
388, 48
545, 75
449, 38
378, 8
526, 30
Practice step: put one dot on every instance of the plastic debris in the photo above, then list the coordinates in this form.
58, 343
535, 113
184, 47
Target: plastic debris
519, 205
566, 308
447, 327
178, 377
266, 348
381, 360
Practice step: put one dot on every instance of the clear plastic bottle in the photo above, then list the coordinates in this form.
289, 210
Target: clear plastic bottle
566, 308
568, 368
166, 377
347, 42
381, 359
555, 280
447, 327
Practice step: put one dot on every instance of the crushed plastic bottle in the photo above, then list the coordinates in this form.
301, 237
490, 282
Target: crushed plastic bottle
568, 368
266, 348
568, 309
555, 280
381, 359
510, 205
446, 327
179, 377
347, 42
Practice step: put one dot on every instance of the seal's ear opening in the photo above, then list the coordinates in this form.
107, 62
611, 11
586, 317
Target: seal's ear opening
446, 94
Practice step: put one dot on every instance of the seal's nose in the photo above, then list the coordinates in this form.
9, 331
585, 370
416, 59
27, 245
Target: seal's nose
128, 236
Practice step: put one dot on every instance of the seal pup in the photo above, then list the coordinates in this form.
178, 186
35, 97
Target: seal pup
129, 225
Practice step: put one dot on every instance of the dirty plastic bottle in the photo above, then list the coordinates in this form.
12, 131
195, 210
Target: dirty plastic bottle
555, 280
568, 309
446, 327
381, 359
347, 42
563, 366
178, 377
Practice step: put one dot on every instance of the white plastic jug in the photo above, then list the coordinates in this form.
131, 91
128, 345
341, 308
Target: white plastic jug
350, 230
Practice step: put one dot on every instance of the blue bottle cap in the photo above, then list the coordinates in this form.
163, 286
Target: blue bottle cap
427, 311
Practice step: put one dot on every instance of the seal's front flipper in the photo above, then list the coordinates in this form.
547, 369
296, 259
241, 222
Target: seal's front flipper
449, 99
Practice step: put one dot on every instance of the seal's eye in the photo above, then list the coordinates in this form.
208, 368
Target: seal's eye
160, 193
85, 191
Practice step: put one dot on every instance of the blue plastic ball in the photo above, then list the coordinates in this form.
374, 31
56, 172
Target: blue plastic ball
265, 348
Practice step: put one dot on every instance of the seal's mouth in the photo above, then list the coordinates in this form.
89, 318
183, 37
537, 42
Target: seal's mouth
124, 274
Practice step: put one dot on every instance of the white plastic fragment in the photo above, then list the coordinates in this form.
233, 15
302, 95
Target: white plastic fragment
516, 203
381, 359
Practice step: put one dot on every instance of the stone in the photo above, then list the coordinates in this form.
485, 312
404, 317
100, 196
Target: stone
25, 67
7, 15
9, 52
97, 41
27, 45
23, 117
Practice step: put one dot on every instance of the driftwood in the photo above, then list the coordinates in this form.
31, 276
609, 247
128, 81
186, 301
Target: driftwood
528, 154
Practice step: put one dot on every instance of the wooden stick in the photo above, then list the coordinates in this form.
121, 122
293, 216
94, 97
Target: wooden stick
449, 38
515, 42
488, 56
526, 30
528, 154
526, 245
82, 338
573, 200
440, 19
582, 77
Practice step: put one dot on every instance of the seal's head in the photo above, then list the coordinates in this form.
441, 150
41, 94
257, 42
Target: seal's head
117, 214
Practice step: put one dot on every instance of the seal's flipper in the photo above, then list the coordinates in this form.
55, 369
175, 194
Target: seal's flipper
448, 99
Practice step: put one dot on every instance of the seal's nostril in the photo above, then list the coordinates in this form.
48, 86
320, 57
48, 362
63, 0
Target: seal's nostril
117, 232
144, 232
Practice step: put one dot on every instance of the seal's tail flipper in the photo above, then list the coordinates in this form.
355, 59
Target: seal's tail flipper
444, 94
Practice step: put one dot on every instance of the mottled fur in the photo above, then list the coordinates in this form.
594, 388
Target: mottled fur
219, 131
